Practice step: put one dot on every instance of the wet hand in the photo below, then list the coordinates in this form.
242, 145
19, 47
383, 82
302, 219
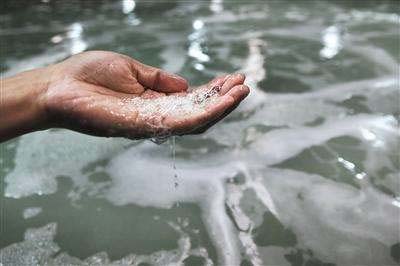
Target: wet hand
109, 94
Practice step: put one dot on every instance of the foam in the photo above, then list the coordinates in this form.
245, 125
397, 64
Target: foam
39, 161
191, 104
354, 226
144, 187
337, 222
39, 248
31, 212
203, 181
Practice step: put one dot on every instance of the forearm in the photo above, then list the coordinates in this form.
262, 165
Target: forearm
21, 103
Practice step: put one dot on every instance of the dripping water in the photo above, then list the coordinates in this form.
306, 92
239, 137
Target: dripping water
159, 139
173, 150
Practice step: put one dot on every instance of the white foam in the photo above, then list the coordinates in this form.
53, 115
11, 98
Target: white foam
353, 226
42, 156
39, 248
198, 183
136, 180
31, 212
175, 106
339, 223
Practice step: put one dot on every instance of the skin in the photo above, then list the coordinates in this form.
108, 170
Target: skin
90, 93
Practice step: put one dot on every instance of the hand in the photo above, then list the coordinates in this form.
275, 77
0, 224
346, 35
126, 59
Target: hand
108, 94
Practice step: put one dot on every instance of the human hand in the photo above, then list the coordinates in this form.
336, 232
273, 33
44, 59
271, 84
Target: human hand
108, 94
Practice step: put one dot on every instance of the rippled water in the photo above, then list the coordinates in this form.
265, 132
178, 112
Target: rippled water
304, 172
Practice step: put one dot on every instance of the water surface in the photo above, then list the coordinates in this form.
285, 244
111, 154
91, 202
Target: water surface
304, 172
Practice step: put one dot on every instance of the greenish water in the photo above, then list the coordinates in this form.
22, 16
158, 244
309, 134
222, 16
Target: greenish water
304, 172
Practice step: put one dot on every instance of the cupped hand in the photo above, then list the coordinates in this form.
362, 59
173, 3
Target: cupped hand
109, 94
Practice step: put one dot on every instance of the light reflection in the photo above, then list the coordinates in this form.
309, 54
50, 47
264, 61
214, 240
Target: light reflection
295, 15
368, 135
199, 66
378, 144
75, 34
56, 39
195, 51
360, 175
331, 39
385, 83
133, 20
375, 16
254, 65
75, 30
348, 165
196, 39
78, 46
198, 24
352, 168
216, 6
128, 6
396, 202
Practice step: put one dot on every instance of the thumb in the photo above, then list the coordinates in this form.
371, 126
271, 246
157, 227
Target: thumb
157, 79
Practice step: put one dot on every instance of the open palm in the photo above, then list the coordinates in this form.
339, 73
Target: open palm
109, 94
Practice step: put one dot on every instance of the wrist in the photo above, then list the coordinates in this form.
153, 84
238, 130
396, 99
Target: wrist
22, 103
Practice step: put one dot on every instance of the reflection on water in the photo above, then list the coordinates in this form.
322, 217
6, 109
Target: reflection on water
128, 6
332, 42
216, 6
196, 40
304, 172
75, 35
